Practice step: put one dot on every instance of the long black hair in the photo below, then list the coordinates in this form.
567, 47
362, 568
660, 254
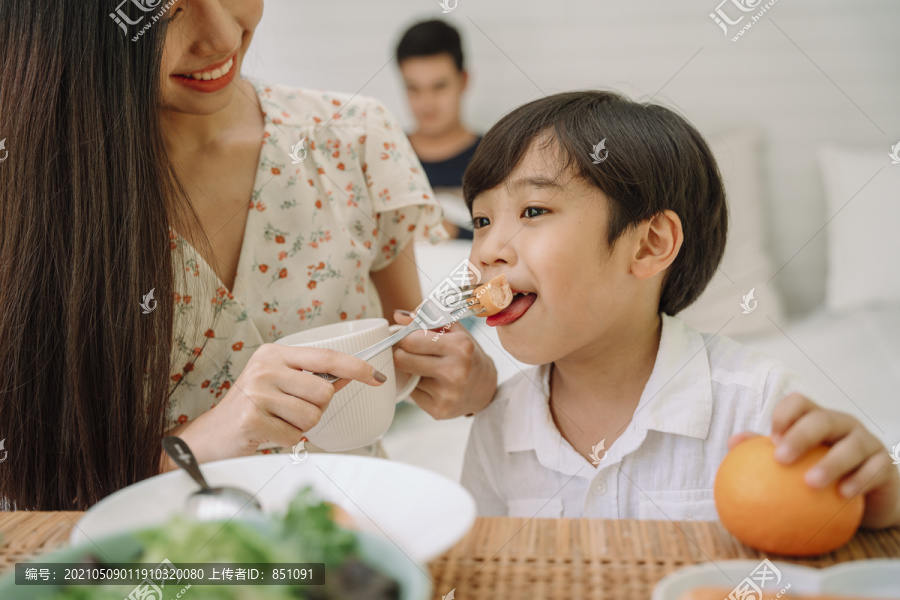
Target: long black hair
86, 199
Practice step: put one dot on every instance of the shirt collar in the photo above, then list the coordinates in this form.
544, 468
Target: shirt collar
678, 396
677, 399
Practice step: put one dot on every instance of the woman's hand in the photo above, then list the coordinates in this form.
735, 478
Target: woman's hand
857, 458
273, 400
458, 378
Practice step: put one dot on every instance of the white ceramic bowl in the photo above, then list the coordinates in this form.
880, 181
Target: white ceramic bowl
423, 513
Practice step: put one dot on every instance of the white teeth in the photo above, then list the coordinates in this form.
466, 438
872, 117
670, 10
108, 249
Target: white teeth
215, 74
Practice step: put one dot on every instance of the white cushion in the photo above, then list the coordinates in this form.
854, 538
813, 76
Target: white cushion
862, 189
747, 264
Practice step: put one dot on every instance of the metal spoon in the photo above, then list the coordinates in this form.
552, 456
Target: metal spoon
209, 503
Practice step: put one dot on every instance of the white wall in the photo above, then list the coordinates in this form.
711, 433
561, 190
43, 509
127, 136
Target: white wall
807, 72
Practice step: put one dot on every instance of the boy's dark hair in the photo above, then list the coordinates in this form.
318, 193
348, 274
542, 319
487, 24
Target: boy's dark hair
429, 38
656, 161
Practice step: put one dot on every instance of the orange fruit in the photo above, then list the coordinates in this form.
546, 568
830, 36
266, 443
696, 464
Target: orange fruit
767, 505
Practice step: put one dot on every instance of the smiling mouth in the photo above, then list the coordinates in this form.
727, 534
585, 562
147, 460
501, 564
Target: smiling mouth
210, 74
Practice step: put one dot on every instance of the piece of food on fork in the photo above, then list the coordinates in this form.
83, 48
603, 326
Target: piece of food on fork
491, 297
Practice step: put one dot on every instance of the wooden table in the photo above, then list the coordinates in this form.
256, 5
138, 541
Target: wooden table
532, 559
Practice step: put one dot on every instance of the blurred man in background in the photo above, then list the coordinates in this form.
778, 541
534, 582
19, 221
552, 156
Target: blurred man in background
430, 59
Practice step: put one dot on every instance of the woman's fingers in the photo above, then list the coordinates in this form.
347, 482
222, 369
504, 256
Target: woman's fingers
282, 432
341, 384
304, 385
281, 395
288, 405
276, 398
250, 415
324, 360
303, 398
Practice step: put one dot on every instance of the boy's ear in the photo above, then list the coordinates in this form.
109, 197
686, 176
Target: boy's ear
659, 241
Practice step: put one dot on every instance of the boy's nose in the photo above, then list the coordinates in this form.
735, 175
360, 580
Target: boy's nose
497, 247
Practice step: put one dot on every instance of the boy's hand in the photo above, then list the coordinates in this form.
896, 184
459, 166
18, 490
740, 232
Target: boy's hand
458, 377
857, 458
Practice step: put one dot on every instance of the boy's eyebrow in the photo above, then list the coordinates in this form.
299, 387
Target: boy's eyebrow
535, 181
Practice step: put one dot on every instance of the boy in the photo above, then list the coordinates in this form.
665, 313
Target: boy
630, 411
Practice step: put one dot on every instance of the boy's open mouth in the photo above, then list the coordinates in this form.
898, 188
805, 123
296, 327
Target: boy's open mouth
520, 304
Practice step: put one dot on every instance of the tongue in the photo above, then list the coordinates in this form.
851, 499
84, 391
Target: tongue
516, 309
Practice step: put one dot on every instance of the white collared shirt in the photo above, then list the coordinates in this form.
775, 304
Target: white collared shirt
703, 388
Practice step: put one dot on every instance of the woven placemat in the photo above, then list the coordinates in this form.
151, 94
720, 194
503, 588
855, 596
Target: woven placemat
562, 559
529, 559
27, 534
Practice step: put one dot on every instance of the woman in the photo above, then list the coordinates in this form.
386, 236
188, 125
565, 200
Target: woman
140, 160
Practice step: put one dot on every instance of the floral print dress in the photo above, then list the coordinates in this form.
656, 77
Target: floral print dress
323, 216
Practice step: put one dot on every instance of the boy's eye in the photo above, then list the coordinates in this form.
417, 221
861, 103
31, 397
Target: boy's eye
479, 222
534, 211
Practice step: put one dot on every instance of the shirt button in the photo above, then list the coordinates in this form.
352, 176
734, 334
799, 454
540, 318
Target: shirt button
599, 487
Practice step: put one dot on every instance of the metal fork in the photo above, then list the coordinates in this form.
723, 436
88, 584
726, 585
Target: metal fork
431, 314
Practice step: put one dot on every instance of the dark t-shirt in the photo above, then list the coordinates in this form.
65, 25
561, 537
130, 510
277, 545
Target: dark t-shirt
449, 173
